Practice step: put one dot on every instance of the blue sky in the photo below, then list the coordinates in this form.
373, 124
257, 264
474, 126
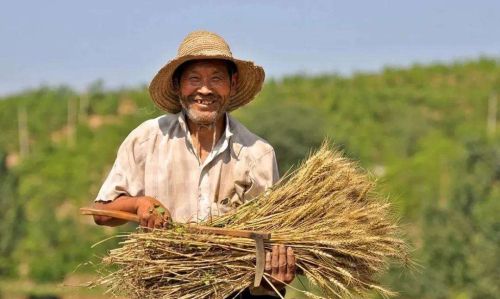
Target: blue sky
125, 42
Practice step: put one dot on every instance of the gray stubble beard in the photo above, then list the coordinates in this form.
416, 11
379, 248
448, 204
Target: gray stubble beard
199, 121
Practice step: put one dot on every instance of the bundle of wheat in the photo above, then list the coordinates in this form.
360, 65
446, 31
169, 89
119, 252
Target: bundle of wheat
341, 231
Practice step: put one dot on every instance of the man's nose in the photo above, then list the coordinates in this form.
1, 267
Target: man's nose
205, 89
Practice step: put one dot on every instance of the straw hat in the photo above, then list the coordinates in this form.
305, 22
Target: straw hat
205, 45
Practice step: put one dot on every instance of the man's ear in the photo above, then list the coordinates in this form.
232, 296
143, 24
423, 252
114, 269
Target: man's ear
234, 83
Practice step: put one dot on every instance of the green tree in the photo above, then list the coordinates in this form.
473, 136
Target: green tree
12, 219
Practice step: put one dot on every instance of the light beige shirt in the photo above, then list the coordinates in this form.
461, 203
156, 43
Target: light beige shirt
157, 159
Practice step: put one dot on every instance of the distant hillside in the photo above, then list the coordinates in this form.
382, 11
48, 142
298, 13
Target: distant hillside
429, 133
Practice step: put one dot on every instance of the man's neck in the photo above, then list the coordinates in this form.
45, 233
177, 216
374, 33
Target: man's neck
205, 137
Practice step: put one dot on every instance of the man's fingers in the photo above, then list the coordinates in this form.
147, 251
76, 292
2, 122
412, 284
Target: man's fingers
151, 217
152, 213
143, 220
151, 221
267, 267
282, 262
158, 222
144, 212
290, 265
275, 261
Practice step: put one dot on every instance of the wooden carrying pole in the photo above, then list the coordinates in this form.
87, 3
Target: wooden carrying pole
190, 227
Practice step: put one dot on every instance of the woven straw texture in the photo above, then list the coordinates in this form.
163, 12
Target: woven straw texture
205, 45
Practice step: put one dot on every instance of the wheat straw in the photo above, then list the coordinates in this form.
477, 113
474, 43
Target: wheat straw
341, 231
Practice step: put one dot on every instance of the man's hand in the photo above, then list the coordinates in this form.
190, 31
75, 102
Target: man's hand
152, 213
280, 264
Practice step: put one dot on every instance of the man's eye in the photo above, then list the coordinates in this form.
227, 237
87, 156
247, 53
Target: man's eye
217, 79
194, 78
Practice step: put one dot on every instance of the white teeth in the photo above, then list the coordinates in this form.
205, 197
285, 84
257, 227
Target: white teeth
204, 102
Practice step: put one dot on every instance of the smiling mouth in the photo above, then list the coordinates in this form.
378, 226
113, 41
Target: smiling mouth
204, 101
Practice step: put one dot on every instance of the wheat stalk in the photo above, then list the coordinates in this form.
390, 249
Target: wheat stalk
341, 231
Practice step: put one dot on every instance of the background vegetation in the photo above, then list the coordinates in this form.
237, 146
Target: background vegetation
428, 133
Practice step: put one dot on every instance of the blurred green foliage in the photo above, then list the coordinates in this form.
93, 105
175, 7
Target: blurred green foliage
12, 218
421, 131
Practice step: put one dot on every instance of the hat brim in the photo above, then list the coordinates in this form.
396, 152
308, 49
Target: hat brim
250, 81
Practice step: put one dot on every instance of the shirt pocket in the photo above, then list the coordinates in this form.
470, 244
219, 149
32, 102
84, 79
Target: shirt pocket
233, 187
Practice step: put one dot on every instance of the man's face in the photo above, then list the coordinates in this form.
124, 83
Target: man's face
205, 88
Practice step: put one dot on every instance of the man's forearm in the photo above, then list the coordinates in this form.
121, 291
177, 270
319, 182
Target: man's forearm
122, 203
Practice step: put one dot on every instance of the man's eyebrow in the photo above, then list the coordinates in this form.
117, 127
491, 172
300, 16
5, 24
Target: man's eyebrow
217, 71
190, 72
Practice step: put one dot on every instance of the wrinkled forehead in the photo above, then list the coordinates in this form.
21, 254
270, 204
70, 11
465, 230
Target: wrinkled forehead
215, 65
207, 64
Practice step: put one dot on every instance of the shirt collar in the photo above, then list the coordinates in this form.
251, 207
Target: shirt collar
227, 131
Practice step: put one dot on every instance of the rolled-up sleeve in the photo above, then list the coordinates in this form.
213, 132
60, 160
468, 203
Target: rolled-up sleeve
127, 174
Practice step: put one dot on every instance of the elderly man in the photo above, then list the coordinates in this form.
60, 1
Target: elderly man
197, 161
